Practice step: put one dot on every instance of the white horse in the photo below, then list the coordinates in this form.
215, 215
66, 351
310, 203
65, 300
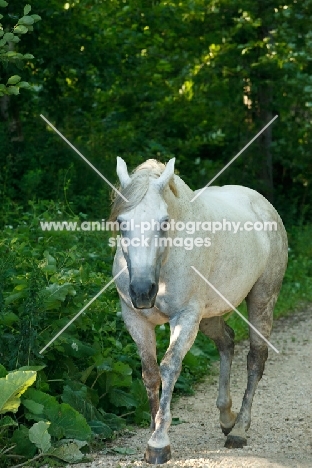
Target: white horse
159, 285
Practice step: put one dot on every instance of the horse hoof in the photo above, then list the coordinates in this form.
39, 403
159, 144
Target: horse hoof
155, 455
233, 441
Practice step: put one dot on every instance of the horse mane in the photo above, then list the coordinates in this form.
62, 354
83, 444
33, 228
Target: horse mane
138, 187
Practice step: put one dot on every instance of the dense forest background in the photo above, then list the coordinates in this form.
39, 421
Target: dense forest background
152, 79
194, 79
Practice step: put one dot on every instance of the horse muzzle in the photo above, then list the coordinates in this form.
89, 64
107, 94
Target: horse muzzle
143, 293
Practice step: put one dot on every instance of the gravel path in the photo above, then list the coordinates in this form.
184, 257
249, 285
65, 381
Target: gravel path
281, 430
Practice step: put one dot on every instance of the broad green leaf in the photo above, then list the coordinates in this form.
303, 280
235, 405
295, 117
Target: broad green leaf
23, 445
119, 397
24, 84
28, 56
114, 422
56, 293
13, 80
15, 296
13, 90
20, 29
35, 408
66, 421
7, 421
78, 399
120, 376
38, 435
3, 371
99, 427
27, 9
15, 39
8, 319
124, 450
26, 20
69, 452
12, 387
8, 37
3, 3
36, 18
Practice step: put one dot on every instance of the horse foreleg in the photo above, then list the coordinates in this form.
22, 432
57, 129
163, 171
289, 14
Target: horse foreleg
183, 333
223, 336
143, 333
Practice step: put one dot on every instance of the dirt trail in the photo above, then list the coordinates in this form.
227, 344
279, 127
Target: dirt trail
281, 430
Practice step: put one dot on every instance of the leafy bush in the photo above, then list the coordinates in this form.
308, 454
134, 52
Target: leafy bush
10, 56
69, 429
91, 375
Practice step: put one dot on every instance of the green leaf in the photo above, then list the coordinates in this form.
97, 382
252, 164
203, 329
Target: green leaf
3, 3
12, 387
26, 20
119, 397
23, 445
24, 84
66, 421
13, 80
27, 9
8, 319
56, 293
13, 90
3, 371
35, 408
114, 422
7, 421
38, 435
20, 29
15, 39
28, 56
8, 37
69, 452
124, 450
15, 296
100, 428
120, 376
36, 18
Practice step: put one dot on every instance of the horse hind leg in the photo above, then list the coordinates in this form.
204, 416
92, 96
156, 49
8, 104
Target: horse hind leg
223, 336
260, 303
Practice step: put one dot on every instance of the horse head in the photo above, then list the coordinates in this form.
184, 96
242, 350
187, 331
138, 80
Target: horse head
143, 221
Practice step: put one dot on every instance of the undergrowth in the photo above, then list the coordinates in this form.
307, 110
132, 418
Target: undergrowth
91, 375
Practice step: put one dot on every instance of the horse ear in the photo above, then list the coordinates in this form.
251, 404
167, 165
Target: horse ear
122, 172
163, 180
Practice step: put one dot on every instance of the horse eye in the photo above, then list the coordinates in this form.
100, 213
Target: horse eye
165, 224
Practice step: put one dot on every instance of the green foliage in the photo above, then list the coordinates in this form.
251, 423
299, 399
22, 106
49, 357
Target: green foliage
12, 387
195, 80
89, 383
55, 421
9, 36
